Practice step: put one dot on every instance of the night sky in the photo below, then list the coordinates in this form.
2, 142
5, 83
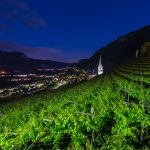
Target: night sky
67, 30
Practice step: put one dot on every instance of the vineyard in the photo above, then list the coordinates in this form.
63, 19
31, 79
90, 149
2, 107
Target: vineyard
112, 111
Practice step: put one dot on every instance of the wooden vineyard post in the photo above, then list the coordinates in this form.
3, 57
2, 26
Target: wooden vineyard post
128, 94
141, 79
92, 138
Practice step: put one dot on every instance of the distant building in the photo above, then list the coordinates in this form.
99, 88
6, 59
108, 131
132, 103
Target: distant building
100, 67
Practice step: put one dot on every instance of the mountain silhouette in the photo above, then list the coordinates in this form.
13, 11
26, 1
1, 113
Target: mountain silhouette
119, 51
19, 61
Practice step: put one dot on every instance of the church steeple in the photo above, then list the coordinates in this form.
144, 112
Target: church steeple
100, 67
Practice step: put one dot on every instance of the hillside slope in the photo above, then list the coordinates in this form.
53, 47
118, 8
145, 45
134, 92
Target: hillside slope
119, 51
111, 111
17, 60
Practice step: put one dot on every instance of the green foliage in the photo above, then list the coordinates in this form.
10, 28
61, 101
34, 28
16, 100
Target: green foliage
111, 111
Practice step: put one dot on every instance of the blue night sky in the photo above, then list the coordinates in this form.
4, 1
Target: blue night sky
67, 30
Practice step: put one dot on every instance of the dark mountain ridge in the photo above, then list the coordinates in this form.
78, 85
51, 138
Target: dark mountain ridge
114, 54
19, 61
119, 51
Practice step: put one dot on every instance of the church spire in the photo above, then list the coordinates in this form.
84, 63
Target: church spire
100, 67
100, 61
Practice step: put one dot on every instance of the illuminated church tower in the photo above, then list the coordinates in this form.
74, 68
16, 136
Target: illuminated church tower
100, 67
